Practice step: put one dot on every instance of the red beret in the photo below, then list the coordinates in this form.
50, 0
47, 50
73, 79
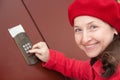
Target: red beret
106, 10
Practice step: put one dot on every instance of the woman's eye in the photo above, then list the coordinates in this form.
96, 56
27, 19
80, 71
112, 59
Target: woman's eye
77, 30
93, 27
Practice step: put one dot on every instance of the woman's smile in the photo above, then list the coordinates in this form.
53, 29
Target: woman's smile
91, 47
90, 35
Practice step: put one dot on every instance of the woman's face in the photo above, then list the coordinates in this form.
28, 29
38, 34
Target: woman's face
92, 35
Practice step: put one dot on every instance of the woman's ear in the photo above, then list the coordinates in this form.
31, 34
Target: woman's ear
115, 32
116, 35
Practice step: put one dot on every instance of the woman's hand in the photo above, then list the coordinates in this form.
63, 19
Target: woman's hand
41, 51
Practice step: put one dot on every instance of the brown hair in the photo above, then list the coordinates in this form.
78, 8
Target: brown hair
110, 57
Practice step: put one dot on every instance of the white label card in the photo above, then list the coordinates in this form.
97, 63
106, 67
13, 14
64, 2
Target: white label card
16, 30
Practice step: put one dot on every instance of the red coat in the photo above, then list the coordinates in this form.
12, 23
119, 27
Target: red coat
77, 69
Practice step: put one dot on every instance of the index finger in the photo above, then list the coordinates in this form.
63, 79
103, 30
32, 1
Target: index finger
38, 45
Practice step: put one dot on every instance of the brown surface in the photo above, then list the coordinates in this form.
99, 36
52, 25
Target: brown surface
12, 64
43, 20
52, 21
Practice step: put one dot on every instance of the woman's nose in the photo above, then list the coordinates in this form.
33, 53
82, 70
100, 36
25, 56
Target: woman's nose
86, 38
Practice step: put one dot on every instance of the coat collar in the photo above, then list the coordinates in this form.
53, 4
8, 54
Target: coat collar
98, 67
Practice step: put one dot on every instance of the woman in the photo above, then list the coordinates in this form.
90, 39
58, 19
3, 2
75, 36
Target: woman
96, 25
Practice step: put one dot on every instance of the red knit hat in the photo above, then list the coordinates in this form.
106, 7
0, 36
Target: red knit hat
106, 10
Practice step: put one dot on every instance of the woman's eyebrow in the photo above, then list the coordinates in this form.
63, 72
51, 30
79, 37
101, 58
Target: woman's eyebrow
87, 24
75, 26
90, 22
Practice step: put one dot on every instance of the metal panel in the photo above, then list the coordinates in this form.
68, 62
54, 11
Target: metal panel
12, 63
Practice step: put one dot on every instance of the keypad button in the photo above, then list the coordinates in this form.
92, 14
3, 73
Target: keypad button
27, 46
